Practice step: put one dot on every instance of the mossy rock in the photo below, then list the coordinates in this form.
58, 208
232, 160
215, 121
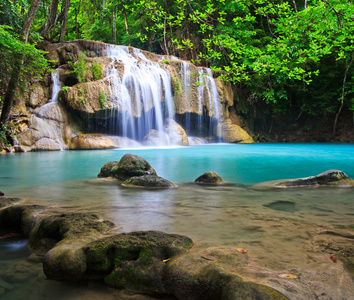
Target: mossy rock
148, 181
19, 217
191, 277
7, 201
109, 169
53, 229
210, 178
129, 166
328, 178
135, 260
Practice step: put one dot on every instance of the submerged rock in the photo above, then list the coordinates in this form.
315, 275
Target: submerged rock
129, 166
1, 194
328, 178
149, 181
210, 178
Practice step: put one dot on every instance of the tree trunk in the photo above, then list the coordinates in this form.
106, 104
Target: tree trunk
16, 71
50, 22
114, 31
342, 96
64, 21
126, 23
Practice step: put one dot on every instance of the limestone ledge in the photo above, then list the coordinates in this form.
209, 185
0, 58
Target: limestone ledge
145, 262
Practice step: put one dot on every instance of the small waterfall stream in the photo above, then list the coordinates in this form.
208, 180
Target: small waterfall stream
46, 124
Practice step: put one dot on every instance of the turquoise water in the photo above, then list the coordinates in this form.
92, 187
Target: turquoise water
241, 164
236, 216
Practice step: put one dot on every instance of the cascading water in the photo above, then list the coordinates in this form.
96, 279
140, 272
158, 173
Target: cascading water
47, 122
207, 97
143, 93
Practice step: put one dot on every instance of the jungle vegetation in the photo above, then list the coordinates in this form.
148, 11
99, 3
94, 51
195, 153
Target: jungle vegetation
295, 57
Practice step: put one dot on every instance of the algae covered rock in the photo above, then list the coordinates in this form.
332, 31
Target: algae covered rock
53, 229
61, 238
109, 169
130, 165
210, 178
136, 260
148, 181
192, 277
18, 217
328, 178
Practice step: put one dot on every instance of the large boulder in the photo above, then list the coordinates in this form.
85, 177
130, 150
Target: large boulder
61, 238
328, 178
135, 260
100, 141
232, 133
176, 133
130, 165
210, 178
156, 138
18, 217
48, 130
149, 181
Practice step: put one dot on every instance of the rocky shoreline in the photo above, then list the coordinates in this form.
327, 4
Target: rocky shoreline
81, 246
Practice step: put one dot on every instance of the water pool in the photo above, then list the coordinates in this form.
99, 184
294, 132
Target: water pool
229, 216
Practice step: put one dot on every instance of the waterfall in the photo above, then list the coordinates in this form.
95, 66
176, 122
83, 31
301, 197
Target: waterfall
56, 86
143, 92
47, 123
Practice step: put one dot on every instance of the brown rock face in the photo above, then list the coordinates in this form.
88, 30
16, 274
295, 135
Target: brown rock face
232, 133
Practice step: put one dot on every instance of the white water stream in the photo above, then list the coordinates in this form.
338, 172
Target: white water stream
144, 96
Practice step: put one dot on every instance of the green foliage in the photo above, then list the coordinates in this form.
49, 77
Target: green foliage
11, 48
102, 98
82, 101
7, 135
177, 85
65, 89
96, 70
80, 68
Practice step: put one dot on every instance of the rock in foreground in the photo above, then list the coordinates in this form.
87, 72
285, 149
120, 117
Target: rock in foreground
328, 178
210, 178
149, 181
144, 262
129, 166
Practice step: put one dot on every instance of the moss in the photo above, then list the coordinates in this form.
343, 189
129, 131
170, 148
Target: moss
102, 98
96, 70
80, 68
177, 85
